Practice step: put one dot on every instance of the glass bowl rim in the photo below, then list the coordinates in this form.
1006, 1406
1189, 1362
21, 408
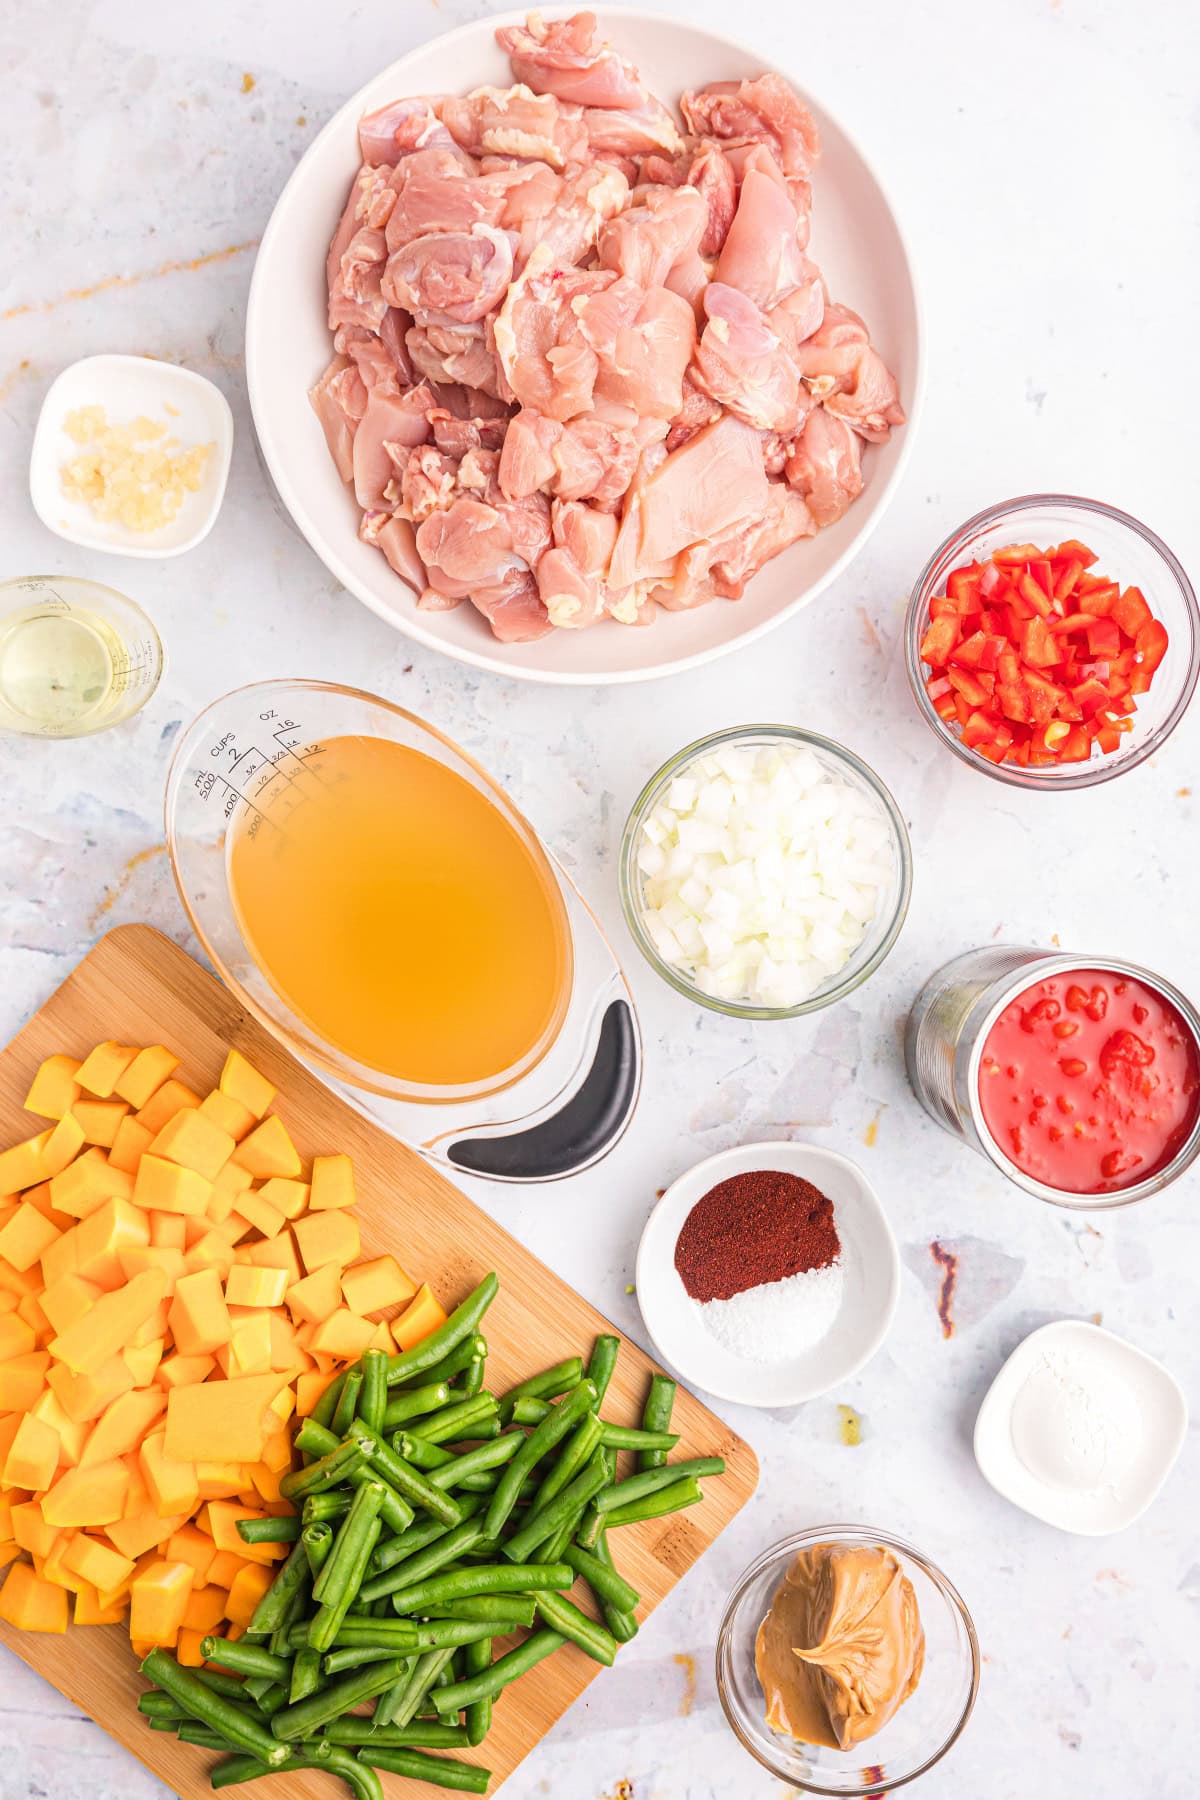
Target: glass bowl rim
843, 984
1095, 771
787, 1548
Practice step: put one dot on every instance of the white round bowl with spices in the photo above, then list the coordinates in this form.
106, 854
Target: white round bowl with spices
855, 1327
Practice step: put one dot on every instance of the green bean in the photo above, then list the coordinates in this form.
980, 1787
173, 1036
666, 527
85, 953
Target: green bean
245, 1659
476, 1660
328, 1471
330, 1584
357, 1656
527, 1410
623, 1493
272, 1698
549, 1520
322, 1413
470, 1418
472, 1380
602, 1578
308, 1716
325, 1623
542, 1438
476, 1461
425, 1672
656, 1416
629, 1437
224, 1716
410, 1403
602, 1362
505, 1611
372, 1398
655, 1506
419, 1452
427, 1736
443, 1550
191, 1731
439, 1771
229, 1685
318, 1542
306, 1674
362, 1780
292, 1574
487, 1578
270, 1530
172, 1725
394, 1696
347, 1407
432, 1349
373, 1634
154, 1704
409, 1482
506, 1669
458, 1359
576, 1453
561, 1615
319, 1507
395, 1511
296, 1608
556, 1380
436, 1634
418, 1537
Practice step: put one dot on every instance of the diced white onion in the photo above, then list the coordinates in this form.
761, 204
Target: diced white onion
761, 871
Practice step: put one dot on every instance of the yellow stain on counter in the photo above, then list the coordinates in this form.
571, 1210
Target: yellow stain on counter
247, 83
182, 267
688, 1665
872, 1131
113, 894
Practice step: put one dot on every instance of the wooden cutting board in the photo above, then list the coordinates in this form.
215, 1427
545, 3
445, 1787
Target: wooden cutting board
139, 988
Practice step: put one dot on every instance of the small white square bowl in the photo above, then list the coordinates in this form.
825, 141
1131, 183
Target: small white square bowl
1162, 1410
128, 387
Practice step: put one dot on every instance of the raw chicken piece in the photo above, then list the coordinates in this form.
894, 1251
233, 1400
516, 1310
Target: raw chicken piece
428, 483
397, 130
589, 196
516, 122
710, 171
702, 490
456, 436
761, 256
398, 541
468, 554
785, 519
698, 410
743, 365
646, 240
843, 370
435, 191
761, 111
355, 293
636, 132
373, 358
795, 319
339, 400
544, 357
450, 276
567, 58
452, 354
392, 332
391, 422
570, 575
688, 278
370, 194
643, 362
825, 466
527, 460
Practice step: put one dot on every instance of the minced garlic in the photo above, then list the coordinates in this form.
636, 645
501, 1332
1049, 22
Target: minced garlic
128, 473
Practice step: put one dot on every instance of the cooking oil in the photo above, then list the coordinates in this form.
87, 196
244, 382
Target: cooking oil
75, 657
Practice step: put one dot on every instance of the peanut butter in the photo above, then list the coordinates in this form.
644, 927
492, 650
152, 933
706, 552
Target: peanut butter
842, 1647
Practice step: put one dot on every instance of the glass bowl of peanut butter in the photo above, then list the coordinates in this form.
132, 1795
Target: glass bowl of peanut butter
847, 1662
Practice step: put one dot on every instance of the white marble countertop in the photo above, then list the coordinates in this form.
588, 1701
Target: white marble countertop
1044, 154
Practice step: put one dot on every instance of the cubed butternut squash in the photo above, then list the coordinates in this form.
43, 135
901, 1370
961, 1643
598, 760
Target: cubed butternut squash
23, 1166
100, 1120
109, 1323
73, 1435
343, 1334
83, 1187
327, 1237
332, 1182
423, 1316
206, 1605
246, 1285
87, 1497
230, 1183
32, 1604
22, 1379
144, 1075
372, 1287
121, 1427
249, 1586
242, 1081
260, 1213
278, 1252
99, 1241
27, 1234
164, 1186
268, 1150
199, 1317
170, 1479
221, 1420
184, 1371
17, 1336
54, 1089
157, 1602
67, 1300
90, 1610
64, 1143
33, 1457
164, 1103
142, 1361
100, 1071
228, 1113
288, 1197
98, 1562
194, 1142
85, 1397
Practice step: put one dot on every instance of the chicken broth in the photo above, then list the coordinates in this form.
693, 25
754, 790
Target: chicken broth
403, 916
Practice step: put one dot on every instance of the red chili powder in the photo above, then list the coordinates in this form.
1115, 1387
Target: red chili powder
761, 1226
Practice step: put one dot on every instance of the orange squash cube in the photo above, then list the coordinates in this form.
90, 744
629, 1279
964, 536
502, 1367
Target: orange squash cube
194, 1142
332, 1182
371, 1287
23, 1166
129, 1144
242, 1081
164, 1103
54, 1089
423, 1316
228, 1113
27, 1234
32, 1604
145, 1075
100, 1120
327, 1237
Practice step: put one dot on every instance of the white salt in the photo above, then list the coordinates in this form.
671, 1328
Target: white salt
777, 1319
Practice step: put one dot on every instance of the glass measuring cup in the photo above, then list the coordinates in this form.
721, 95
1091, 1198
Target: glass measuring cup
244, 766
75, 656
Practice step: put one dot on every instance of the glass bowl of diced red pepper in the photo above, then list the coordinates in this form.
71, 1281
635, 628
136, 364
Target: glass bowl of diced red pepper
1053, 642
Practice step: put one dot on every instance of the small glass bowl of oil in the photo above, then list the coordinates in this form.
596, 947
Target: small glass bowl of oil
75, 657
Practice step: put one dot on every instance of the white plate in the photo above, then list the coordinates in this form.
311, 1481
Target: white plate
127, 387
856, 241
1161, 1408
871, 1286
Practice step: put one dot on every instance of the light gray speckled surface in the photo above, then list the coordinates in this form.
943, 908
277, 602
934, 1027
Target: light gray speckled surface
1044, 153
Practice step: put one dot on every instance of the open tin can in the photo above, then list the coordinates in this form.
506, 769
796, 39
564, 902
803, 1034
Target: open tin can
949, 1024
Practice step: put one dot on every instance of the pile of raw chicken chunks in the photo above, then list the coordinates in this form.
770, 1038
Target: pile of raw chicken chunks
584, 364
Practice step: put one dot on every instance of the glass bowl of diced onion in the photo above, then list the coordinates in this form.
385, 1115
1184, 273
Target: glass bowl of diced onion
765, 872
1128, 553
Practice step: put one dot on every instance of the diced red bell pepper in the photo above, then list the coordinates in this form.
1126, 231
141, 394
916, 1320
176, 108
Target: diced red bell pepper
1038, 646
1013, 698
1108, 738
936, 686
962, 586
1100, 597
963, 708
980, 651
977, 689
1090, 696
1013, 554
1076, 746
1071, 547
939, 606
1131, 612
940, 640
1104, 638
1071, 623
1151, 644
990, 580
1044, 697
1066, 577
944, 706
979, 729
1032, 591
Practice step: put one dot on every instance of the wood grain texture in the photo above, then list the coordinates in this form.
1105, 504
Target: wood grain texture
139, 988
